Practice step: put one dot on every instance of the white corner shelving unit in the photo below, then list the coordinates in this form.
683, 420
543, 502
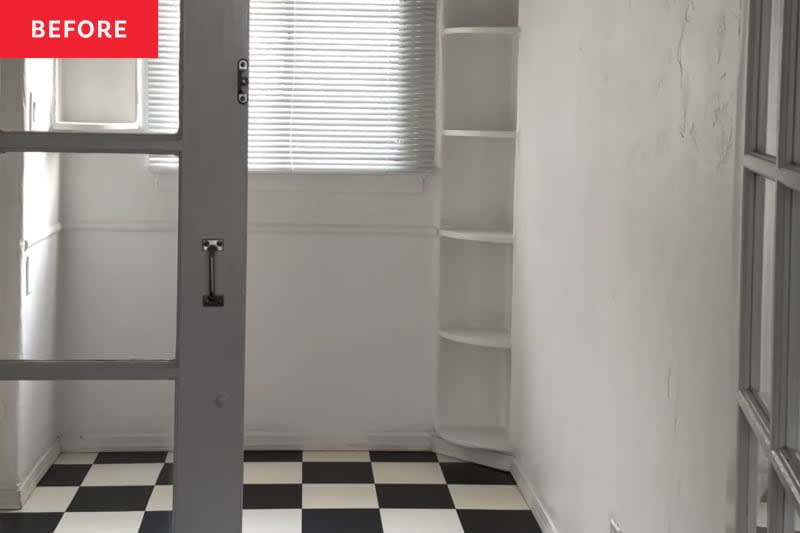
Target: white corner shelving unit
479, 65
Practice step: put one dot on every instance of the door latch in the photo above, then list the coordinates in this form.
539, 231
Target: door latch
211, 247
244, 81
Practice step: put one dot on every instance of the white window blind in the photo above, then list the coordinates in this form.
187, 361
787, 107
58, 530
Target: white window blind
335, 85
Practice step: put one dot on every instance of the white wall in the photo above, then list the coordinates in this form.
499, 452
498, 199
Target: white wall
36, 426
341, 327
625, 309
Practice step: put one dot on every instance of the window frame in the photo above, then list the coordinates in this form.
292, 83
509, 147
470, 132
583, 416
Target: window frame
137, 126
775, 431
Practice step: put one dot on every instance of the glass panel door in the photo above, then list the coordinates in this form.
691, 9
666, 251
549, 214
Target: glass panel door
123, 293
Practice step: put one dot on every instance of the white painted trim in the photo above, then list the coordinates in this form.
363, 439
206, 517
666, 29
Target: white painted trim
43, 464
498, 31
167, 181
496, 460
14, 499
368, 229
531, 496
254, 440
128, 226
258, 227
52, 231
116, 442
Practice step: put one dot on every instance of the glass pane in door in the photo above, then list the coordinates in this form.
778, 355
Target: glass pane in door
93, 457
759, 493
95, 255
761, 86
793, 49
768, 292
103, 95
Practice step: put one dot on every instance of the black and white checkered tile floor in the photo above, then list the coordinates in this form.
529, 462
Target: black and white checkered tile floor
284, 492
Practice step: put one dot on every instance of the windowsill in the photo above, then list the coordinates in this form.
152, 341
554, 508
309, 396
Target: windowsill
96, 127
319, 183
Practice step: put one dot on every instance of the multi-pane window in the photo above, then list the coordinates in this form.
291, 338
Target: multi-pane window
769, 400
335, 86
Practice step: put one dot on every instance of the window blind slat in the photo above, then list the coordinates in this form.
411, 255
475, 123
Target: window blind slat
335, 85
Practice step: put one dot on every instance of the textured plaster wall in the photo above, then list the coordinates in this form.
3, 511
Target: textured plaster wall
625, 304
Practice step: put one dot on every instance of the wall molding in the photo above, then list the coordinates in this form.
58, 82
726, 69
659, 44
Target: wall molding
532, 498
50, 232
258, 228
40, 468
14, 499
254, 440
350, 184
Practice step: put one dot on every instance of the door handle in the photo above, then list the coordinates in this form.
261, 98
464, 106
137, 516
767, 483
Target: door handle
211, 247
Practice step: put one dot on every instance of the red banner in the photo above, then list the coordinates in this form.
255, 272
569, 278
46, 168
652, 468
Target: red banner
79, 28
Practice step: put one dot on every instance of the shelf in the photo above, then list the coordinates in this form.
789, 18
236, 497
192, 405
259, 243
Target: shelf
494, 237
487, 338
482, 438
507, 31
484, 134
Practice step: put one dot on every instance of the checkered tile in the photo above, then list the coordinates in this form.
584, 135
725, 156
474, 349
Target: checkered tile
284, 492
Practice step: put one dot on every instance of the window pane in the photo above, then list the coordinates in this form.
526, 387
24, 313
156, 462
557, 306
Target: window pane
759, 493
773, 84
768, 291
342, 86
764, 291
91, 94
104, 447
794, 322
95, 240
794, 50
759, 66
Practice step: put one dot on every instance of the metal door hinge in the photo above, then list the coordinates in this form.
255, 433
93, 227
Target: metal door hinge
244, 81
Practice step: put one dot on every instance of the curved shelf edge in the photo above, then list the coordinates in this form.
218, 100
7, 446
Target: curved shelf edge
490, 439
494, 237
487, 338
492, 459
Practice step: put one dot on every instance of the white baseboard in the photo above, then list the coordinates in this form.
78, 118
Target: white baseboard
254, 440
116, 442
38, 471
264, 440
532, 498
496, 460
10, 500
15, 499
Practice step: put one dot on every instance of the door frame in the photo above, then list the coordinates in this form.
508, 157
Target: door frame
208, 369
772, 428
